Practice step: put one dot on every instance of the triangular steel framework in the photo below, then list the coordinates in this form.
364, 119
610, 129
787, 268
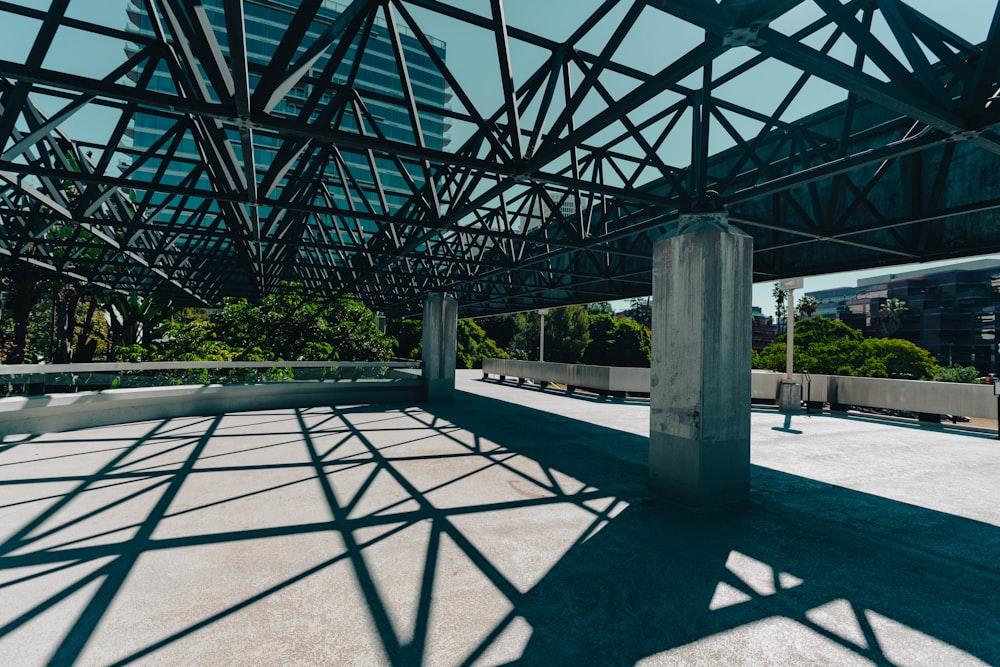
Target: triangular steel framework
554, 195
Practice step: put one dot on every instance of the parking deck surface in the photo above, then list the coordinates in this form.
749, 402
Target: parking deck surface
512, 526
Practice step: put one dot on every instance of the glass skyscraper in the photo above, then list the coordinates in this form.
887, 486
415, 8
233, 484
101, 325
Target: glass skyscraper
265, 24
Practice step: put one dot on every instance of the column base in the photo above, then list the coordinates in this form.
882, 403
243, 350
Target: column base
699, 473
790, 397
440, 390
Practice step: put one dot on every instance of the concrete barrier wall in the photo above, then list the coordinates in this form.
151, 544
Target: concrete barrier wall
817, 388
123, 366
950, 398
598, 378
947, 398
62, 412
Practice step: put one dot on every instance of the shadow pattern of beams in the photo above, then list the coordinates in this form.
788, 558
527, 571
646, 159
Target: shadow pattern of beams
438, 536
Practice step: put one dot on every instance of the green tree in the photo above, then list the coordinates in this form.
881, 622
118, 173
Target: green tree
831, 347
806, 307
67, 298
190, 336
90, 333
891, 315
957, 373
617, 342
900, 358
26, 289
60, 242
134, 319
599, 308
298, 325
408, 335
567, 334
772, 357
603, 331
824, 330
504, 329
474, 345
633, 344
779, 304
641, 311
525, 342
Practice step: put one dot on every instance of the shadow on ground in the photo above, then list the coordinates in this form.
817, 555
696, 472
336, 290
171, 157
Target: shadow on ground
842, 572
475, 532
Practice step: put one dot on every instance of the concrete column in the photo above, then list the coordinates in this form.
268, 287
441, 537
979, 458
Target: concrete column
440, 346
699, 436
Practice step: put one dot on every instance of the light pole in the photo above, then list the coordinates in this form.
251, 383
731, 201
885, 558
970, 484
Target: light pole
789, 333
542, 312
790, 398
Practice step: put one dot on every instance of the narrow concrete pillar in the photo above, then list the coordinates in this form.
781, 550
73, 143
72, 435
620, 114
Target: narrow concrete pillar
440, 346
699, 435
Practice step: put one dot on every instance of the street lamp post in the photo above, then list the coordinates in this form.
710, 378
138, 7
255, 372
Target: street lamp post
790, 399
542, 312
790, 332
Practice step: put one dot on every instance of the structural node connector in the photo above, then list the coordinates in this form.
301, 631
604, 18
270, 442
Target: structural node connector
964, 135
747, 36
710, 202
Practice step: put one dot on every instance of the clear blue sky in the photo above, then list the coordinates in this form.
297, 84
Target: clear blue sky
645, 49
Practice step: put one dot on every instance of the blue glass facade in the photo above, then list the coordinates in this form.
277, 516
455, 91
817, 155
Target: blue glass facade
952, 311
265, 23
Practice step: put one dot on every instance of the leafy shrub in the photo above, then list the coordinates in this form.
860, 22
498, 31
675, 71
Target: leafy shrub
957, 373
831, 347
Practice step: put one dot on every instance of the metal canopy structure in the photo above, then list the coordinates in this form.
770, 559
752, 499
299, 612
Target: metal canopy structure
840, 134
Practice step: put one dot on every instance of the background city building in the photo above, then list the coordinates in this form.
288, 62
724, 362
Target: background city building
950, 311
763, 329
265, 24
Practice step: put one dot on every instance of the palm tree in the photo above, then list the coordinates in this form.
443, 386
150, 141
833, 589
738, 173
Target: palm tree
133, 319
779, 304
807, 307
891, 315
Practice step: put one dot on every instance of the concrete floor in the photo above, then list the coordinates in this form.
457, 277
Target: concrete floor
512, 526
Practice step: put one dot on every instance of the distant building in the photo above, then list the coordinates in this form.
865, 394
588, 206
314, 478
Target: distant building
265, 23
951, 311
763, 329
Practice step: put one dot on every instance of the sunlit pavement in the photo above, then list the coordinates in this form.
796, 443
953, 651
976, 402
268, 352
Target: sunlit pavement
511, 526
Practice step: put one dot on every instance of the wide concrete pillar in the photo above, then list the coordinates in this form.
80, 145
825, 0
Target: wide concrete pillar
699, 435
440, 346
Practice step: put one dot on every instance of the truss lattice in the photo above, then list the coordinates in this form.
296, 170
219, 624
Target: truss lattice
513, 161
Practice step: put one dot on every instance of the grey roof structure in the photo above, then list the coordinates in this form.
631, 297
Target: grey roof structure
839, 134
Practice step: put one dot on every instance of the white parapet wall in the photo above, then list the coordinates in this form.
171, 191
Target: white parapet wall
49, 413
63, 412
597, 378
946, 398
